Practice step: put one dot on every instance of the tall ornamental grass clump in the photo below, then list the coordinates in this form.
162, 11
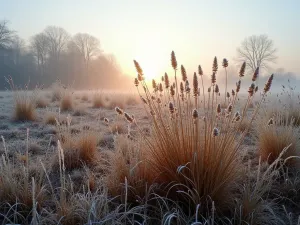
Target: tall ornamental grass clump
193, 149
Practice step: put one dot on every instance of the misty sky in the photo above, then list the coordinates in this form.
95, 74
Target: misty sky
149, 30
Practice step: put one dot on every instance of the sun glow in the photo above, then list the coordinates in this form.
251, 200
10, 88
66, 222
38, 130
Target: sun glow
150, 58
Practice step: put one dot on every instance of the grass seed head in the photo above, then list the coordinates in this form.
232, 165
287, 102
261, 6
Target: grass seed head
173, 60
215, 65
200, 71
268, 84
219, 108
270, 122
195, 85
225, 63
172, 91
242, 70
138, 68
251, 89
216, 132
136, 82
195, 114
183, 73
238, 86
217, 90
160, 87
106, 120
213, 78
167, 82
255, 75
128, 117
119, 111
171, 107
154, 85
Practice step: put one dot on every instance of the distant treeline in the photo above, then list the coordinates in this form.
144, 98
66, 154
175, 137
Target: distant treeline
54, 55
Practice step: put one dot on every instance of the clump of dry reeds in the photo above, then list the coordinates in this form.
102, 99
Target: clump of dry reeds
276, 134
66, 102
79, 149
24, 103
50, 118
21, 184
84, 97
99, 101
194, 147
41, 102
57, 91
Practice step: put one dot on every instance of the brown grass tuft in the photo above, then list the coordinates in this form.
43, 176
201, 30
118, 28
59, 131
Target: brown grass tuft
66, 102
41, 103
99, 101
118, 127
273, 138
57, 91
24, 103
50, 118
24, 108
85, 97
79, 149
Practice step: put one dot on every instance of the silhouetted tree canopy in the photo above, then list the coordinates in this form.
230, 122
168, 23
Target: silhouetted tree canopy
53, 54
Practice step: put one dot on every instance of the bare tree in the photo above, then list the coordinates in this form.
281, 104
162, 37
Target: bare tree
58, 39
18, 48
257, 51
39, 45
88, 47
6, 35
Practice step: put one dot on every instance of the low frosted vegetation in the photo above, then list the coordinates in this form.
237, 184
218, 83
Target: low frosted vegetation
179, 152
